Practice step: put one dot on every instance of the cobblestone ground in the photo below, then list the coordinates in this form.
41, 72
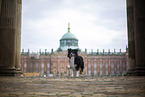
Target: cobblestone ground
72, 87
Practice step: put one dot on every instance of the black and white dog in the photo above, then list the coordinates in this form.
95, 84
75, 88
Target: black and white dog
76, 62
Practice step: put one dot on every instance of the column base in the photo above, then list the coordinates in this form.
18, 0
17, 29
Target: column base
130, 72
139, 71
10, 72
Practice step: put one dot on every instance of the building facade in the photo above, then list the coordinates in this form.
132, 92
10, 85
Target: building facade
56, 64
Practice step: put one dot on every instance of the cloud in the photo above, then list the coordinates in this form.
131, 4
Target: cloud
96, 23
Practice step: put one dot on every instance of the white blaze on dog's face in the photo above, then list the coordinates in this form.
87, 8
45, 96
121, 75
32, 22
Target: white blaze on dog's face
72, 55
71, 61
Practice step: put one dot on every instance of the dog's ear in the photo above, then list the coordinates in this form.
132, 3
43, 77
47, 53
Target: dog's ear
69, 50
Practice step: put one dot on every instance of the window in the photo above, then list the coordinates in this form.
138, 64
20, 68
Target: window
64, 42
31, 67
123, 68
42, 72
89, 66
48, 72
112, 69
89, 72
95, 66
101, 72
48, 65
106, 66
117, 59
111, 59
106, 71
25, 67
36, 68
42, 66
61, 60
95, 72
118, 69
100, 66
100, 69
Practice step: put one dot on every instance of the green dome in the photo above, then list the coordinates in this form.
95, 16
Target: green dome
69, 35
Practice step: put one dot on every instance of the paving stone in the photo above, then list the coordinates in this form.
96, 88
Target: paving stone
64, 93
53, 93
73, 87
87, 93
99, 95
76, 93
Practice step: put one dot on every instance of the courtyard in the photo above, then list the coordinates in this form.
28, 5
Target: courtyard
72, 87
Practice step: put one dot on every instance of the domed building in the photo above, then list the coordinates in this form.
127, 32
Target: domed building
56, 63
68, 40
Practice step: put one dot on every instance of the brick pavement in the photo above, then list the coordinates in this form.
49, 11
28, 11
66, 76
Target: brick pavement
72, 87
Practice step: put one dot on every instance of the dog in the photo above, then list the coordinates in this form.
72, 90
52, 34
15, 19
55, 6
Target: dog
76, 62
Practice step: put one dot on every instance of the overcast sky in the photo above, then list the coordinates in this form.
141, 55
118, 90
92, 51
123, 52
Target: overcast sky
98, 24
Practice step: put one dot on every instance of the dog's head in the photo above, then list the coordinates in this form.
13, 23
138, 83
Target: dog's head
75, 52
72, 52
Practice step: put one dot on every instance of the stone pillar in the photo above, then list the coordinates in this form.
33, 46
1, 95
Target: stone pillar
131, 40
7, 36
18, 36
0, 6
139, 6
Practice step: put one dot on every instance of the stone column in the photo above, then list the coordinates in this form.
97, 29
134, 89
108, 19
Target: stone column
131, 40
18, 36
7, 36
139, 6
